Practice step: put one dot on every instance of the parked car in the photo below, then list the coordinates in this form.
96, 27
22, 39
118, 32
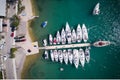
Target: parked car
13, 28
19, 37
12, 34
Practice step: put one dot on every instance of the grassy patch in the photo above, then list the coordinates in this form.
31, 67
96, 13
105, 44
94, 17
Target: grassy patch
12, 52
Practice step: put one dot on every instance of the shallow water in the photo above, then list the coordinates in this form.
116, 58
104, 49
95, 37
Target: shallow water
105, 61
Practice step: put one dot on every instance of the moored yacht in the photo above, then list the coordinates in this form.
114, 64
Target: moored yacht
63, 38
65, 56
101, 43
50, 39
85, 33
46, 55
44, 42
79, 33
56, 55
60, 56
82, 57
68, 33
44, 24
54, 41
58, 38
70, 56
73, 36
52, 55
96, 10
87, 55
76, 58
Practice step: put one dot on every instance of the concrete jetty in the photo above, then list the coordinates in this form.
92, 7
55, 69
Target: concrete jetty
66, 46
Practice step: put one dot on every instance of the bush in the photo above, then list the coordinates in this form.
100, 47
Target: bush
15, 21
12, 51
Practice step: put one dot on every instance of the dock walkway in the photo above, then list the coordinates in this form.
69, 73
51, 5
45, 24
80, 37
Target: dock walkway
66, 46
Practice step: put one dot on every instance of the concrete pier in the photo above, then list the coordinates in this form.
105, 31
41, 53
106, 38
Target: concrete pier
66, 46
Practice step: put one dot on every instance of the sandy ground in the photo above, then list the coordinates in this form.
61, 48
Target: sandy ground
25, 16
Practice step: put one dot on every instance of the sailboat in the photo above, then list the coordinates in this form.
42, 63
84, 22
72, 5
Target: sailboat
58, 38
73, 36
79, 33
68, 33
85, 33
96, 10
87, 55
70, 56
76, 58
63, 38
82, 57
50, 39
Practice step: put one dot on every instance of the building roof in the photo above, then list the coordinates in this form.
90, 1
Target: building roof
2, 7
1, 25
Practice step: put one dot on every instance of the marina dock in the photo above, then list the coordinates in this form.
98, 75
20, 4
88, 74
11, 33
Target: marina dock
66, 46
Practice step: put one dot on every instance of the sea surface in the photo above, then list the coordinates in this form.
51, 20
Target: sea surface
104, 62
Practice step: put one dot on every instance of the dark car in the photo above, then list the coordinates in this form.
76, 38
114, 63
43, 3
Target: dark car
13, 28
17, 37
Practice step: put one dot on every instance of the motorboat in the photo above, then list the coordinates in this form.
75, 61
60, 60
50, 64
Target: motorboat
46, 55
87, 55
85, 33
44, 42
73, 37
54, 41
70, 56
52, 55
82, 57
65, 56
101, 43
60, 56
50, 39
58, 38
79, 33
76, 58
44, 24
63, 38
96, 10
56, 55
68, 33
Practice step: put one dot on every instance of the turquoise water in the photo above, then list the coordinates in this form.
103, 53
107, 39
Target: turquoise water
105, 61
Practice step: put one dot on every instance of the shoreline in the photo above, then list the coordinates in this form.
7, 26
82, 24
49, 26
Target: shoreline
30, 59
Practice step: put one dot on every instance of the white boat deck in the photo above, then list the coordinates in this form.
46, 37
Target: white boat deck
66, 46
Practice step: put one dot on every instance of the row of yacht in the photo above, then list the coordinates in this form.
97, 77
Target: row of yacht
69, 36
74, 56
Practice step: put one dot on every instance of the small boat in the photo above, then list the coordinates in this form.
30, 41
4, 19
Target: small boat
60, 56
87, 55
68, 33
65, 56
44, 24
76, 58
70, 56
85, 33
58, 38
52, 55
56, 55
63, 38
44, 42
101, 43
46, 55
82, 57
96, 10
79, 33
73, 37
54, 41
50, 39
